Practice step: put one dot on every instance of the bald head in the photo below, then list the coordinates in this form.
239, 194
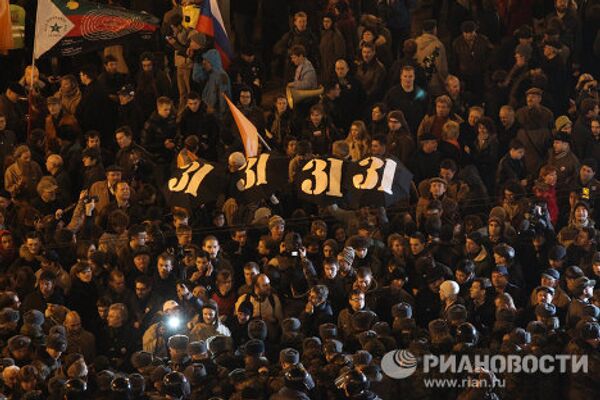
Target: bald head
10, 375
53, 163
341, 68
73, 322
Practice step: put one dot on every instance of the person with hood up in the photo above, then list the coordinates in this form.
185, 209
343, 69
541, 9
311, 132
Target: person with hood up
217, 82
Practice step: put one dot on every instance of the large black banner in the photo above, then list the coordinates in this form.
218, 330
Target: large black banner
372, 181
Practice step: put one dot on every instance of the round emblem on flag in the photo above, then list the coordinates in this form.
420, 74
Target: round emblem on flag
108, 24
55, 27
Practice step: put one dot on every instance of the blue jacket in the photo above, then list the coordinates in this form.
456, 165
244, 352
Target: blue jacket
217, 82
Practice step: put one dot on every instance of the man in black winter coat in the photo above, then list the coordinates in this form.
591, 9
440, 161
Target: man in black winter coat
129, 112
119, 337
47, 292
317, 310
409, 98
299, 34
352, 95
159, 136
195, 120
95, 111
426, 161
511, 166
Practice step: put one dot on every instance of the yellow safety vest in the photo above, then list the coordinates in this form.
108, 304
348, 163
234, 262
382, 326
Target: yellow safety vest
191, 14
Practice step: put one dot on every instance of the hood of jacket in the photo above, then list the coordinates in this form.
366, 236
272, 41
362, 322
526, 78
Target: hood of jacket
213, 57
427, 42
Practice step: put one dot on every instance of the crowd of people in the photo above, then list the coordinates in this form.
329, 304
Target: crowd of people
109, 290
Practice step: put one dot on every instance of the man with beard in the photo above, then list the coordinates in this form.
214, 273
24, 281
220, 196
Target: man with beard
78, 339
151, 83
23, 175
266, 304
144, 305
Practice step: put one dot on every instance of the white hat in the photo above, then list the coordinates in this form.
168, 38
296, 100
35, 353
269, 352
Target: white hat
449, 288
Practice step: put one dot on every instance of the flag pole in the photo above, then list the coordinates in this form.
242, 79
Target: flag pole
29, 108
263, 141
257, 133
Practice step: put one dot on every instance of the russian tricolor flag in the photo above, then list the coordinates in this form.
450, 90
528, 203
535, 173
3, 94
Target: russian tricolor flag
211, 24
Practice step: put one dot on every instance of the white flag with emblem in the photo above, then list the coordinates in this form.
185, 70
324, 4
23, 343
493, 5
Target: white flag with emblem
51, 25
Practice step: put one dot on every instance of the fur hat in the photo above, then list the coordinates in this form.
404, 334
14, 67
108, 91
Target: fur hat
197, 347
257, 329
254, 347
328, 331
291, 325
362, 320
289, 355
33, 317
8, 315
178, 342
56, 342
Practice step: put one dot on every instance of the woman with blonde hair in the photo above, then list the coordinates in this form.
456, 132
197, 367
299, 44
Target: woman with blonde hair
358, 140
